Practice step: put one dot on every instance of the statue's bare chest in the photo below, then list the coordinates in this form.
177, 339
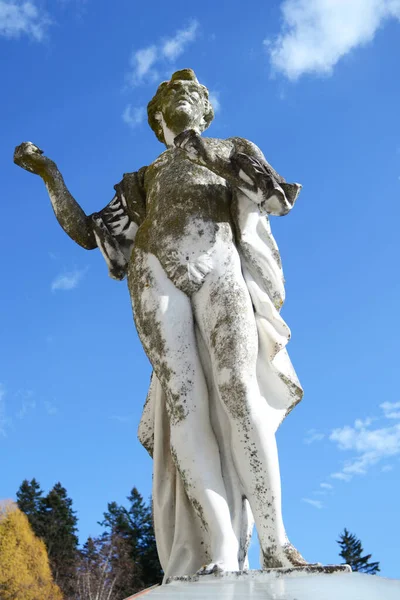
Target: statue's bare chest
173, 176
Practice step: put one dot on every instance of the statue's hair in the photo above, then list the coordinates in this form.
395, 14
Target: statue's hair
155, 104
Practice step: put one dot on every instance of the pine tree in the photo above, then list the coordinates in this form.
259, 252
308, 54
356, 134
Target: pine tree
141, 520
24, 567
133, 540
29, 500
60, 527
53, 519
351, 552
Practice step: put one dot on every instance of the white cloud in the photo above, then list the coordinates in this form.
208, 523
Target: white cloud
326, 486
144, 60
391, 409
387, 468
316, 34
27, 405
141, 64
313, 436
18, 18
68, 281
214, 99
369, 446
314, 503
175, 46
133, 116
51, 409
3, 419
122, 418
341, 476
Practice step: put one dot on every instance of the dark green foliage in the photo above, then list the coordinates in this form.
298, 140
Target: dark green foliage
29, 499
133, 528
351, 552
53, 519
60, 537
121, 562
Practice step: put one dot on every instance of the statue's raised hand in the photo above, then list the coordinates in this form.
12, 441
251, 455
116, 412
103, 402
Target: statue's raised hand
193, 144
31, 158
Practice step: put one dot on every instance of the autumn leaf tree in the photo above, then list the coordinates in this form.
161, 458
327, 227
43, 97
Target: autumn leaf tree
24, 566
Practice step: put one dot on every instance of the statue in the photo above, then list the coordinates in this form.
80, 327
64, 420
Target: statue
191, 233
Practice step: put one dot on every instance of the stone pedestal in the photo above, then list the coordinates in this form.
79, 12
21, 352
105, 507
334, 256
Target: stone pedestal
311, 583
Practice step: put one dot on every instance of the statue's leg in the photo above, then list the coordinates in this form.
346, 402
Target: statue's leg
164, 320
225, 315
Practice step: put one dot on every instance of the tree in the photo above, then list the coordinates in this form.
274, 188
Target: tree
24, 567
351, 552
60, 527
141, 519
131, 535
53, 519
95, 577
29, 500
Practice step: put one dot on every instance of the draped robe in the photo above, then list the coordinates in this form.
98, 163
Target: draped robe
180, 535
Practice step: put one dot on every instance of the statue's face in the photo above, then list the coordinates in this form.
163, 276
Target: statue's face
183, 105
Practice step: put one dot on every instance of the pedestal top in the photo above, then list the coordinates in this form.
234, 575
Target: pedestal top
312, 583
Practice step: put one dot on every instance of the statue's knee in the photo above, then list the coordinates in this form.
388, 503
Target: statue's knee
235, 397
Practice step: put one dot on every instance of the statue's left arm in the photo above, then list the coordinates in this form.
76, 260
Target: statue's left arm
245, 169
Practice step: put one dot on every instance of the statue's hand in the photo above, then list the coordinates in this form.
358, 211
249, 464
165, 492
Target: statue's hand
193, 144
30, 157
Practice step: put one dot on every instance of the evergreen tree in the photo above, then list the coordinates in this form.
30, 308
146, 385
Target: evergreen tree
351, 552
29, 501
132, 536
53, 519
141, 519
60, 527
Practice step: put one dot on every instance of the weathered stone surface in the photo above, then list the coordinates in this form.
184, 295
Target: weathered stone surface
191, 232
314, 583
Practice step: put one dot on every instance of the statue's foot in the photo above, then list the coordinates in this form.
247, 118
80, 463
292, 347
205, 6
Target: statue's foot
287, 556
212, 568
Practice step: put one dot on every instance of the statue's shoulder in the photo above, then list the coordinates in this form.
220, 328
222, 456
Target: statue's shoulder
245, 146
222, 146
131, 192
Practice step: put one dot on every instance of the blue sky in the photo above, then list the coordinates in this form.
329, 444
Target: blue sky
315, 85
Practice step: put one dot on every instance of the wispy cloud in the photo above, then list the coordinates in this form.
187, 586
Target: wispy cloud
176, 45
368, 445
122, 418
214, 99
387, 468
28, 403
391, 409
326, 486
23, 18
133, 116
314, 503
316, 34
51, 409
3, 418
68, 281
144, 62
312, 436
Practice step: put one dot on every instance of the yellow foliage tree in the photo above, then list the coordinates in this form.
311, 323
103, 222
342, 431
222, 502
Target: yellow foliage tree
24, 567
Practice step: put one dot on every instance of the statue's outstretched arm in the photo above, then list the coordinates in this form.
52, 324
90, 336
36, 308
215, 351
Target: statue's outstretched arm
68, 212
246, 170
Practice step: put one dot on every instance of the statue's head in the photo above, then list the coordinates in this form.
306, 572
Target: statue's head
180, 103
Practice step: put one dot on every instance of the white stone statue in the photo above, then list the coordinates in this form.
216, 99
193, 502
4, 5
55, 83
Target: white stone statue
192, 233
